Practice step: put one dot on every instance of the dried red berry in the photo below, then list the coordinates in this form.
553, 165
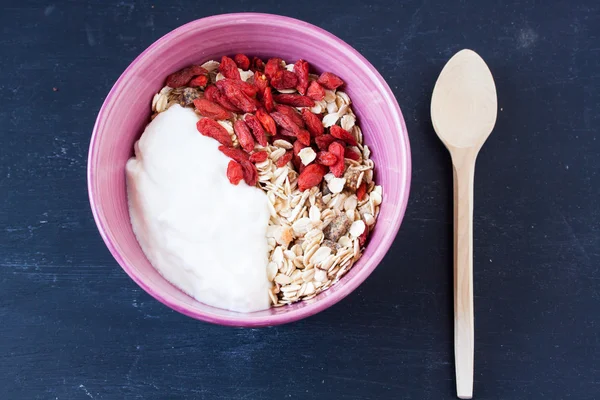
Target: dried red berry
244, 136
211, 128
330, 81
235, 173
235, 154
361, 192
311, 176
352, 154
257, 64
273, 65
315, 91
324, 141
210, 109
291, 113
222, 100
284, 159
268, 99
285, 132
303, 137
229, 68
285, 122
295, 100
297, 147
301, 71
326, 158
236, 96
340, 133
260, 81
242, 61
210, 92
338, 168
362, 239
250, 173
184, 76
266, 121
259, 156
284, 79
313, 123
248, 89
199, 81
257, 129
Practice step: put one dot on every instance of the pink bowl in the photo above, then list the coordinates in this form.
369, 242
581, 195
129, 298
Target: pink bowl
126, 110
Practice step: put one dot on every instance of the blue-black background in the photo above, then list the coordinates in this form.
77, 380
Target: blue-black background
74, 326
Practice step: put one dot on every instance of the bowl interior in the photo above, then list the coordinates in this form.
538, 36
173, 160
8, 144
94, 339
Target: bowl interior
126, 111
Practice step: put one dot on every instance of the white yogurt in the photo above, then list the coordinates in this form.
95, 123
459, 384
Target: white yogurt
203, 234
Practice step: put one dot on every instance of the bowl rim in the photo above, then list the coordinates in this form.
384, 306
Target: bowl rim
247, 319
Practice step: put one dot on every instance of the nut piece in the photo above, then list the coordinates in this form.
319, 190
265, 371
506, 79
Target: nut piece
351, 175
187, 97
337, 228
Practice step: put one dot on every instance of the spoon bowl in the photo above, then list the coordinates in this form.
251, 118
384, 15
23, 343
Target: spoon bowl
464, 103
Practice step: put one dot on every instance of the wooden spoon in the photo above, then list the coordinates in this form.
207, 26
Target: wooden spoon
463, 111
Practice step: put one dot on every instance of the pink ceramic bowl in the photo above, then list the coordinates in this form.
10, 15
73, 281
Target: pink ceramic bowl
126, 111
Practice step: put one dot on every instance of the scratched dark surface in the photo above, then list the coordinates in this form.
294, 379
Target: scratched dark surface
74, 326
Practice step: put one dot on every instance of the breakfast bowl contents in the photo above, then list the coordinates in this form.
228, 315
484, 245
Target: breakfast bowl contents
288, 134
245, 178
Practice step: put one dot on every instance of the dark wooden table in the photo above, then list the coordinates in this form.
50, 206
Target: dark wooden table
74, 326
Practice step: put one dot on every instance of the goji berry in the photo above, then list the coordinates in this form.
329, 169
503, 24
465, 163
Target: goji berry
242, 61
266, 121
315, 91
235, 173
268, 99
311, 176
229, 68
257, 129
284, 79
285, 122
235, 154
222, 100
330, 81
298, 146
285, 132
184, 76
324, 141
303, 137
244, 136
236, 96
338, 168
340, 133
326, 158
250, 173
259, 156
291, 113
313, 123
273, 65
257, 64
296, 100
362, 239
350, 153
279, 136
199, 81
211, 128
210, 109
361, 192
260, 81
248, 89
284, 159
301, 71
209, 93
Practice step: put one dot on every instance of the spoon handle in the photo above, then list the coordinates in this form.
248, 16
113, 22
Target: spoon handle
463, 161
